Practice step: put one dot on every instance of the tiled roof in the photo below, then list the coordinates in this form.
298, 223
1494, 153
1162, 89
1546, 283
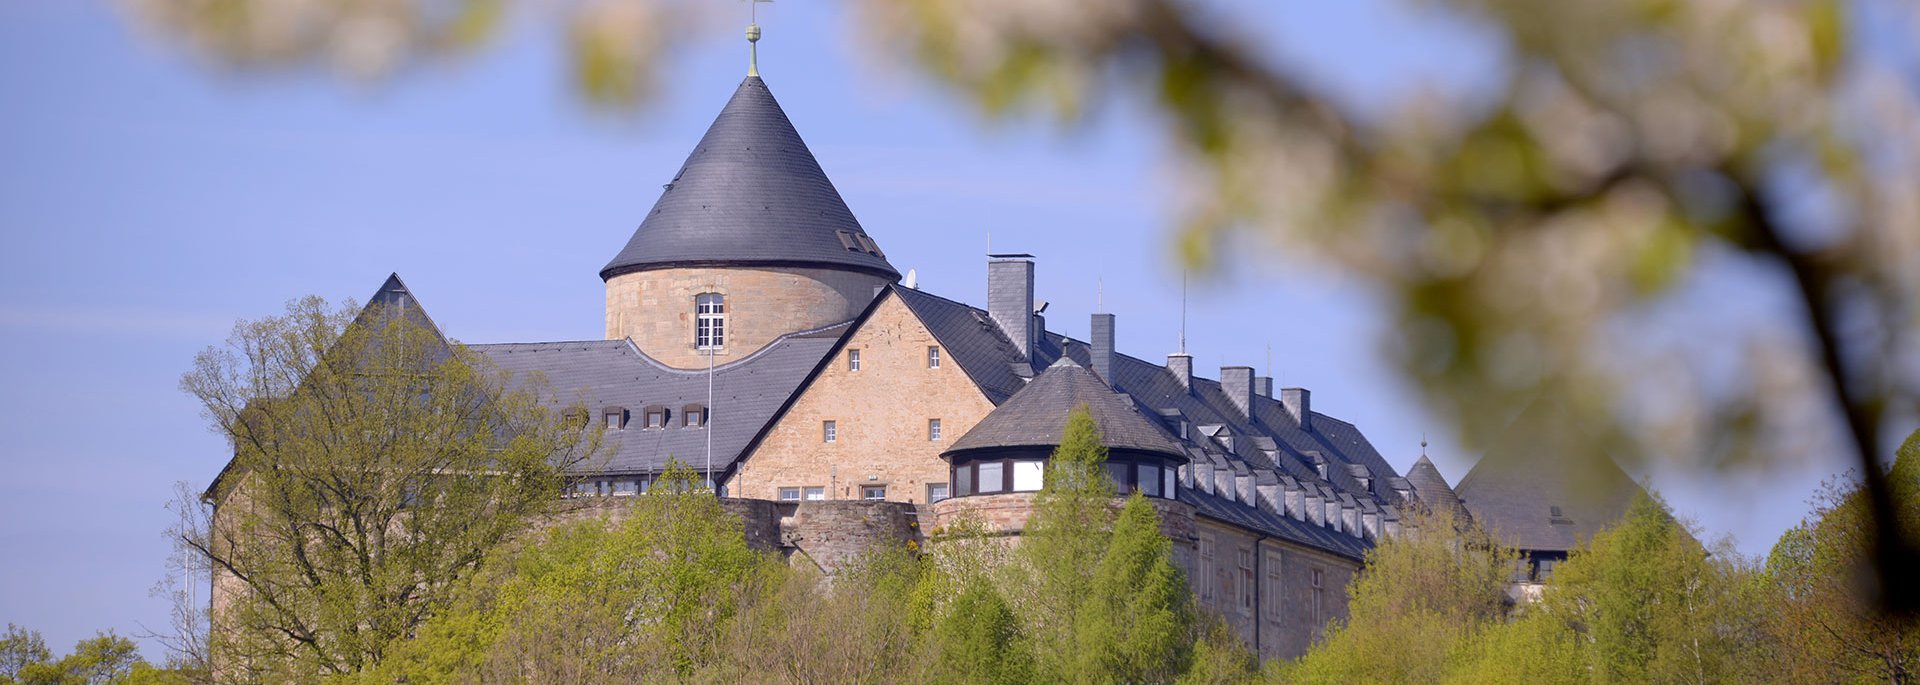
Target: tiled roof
1432, 488
750, 193
1513, 492
613, 373
1036, 416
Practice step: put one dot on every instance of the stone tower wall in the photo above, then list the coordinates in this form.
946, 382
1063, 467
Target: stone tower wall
655, 307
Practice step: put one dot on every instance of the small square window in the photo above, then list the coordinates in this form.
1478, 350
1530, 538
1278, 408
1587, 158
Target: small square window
693, 417
657, 419
813, 494
875, 492
936, 492
853, 360
789, 494
933, 430
828, 431
933, 357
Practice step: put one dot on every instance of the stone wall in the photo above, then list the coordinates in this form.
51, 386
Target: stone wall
1266, 588
829, 534
655, 308
880, 415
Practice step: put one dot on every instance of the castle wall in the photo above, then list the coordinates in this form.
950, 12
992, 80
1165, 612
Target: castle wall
880, 415
828, 534
655, 307
1266, 588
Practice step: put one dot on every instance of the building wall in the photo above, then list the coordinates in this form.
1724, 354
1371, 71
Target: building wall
655, 308
880, 414
1265, 588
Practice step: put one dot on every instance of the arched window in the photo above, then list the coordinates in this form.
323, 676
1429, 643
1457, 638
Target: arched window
710, 320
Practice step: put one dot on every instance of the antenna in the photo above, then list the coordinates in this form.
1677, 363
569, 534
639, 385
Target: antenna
1183, 310
1099, 294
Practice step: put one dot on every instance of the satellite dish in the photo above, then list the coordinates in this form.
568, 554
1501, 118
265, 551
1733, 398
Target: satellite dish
912, 280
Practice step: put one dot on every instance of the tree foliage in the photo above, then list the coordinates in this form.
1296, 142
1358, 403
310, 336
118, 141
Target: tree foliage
1136, 622
375, 465
104, 659
1064, 542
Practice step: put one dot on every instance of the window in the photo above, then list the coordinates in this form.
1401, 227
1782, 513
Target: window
813, 494
1122, 480
694, 416
1270, 600
828, 431
710, 321
990, 477
933, 430
963, 481
656, 417
1246, 580
626, 487
1167, 478
582, 489
616, 418
1318, 591
873, 492
936, 492
643, 483
1028, 476
853, 360
933, 356
789, 494
1206, 559
1150, 480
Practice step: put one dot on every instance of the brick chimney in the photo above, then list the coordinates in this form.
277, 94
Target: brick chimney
1237, 383
1010, 299
1299, 404
1103, 348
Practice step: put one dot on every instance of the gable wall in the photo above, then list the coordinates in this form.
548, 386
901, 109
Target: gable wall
880, 413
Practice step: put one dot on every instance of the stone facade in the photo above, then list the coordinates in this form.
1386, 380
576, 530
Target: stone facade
881, 415
1277, 595
655, 308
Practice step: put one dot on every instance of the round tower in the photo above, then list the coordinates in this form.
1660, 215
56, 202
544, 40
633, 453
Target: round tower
749, 241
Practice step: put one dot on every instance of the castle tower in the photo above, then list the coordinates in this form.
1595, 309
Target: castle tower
748, 242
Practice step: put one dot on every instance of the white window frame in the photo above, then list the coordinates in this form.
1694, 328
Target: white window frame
710, 321
853, 359
829, 431
945, 492
933, 356
813, 493
933, 430
784, 493
867, 492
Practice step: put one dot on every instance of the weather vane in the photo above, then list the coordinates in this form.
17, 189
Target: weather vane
753, 37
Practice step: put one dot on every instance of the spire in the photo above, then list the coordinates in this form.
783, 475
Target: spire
753, 37
751, 194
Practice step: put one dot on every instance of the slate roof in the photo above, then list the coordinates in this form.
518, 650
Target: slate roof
750, 193
1432, 489
1037, 416
613, 373
1514, 489
1218, 431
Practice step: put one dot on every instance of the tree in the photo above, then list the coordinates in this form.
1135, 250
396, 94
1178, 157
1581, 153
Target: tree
1420, 597
979, 640
104, 659
375, 465
1821, 624
1064, 542
1651, 604
19, 649
1136, 621
645, 597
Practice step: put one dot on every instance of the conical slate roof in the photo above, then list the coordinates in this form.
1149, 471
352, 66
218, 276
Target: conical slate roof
1036, 416
751, 193
1432, 488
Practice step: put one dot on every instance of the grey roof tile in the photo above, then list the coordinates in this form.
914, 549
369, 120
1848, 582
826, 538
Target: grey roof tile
750, 193
1037, 416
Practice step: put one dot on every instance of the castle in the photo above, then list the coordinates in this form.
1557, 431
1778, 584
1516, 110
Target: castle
755, 330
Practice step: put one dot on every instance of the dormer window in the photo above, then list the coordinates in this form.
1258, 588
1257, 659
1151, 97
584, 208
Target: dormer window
616, 418
710, 321
656, 417
693, 416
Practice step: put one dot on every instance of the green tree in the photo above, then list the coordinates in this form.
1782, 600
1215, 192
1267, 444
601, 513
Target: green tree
1136, 620
645, 598
1420, 596
1652, 605
1533, 649
1064, 542
104, 659
19, 649
979, 641
375, 465
1821, 623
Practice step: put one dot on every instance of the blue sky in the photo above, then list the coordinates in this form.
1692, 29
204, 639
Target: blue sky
148, 200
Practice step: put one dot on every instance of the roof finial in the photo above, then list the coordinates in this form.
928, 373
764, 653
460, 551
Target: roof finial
1183, 310
753, 37
1423, 444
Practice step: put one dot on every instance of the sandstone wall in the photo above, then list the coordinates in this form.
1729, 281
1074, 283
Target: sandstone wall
655, 308
880, 414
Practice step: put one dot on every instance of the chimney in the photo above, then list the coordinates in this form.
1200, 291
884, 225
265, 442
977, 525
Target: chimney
1237, 383
1299, 404
1263, 386
1010, 298
1181, 364
1103, 348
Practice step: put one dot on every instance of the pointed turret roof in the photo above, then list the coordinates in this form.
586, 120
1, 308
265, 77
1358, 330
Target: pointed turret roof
1432, 488
750, 194
1036, 416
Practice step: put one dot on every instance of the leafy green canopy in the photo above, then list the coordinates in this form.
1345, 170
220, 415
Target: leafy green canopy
375, 464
